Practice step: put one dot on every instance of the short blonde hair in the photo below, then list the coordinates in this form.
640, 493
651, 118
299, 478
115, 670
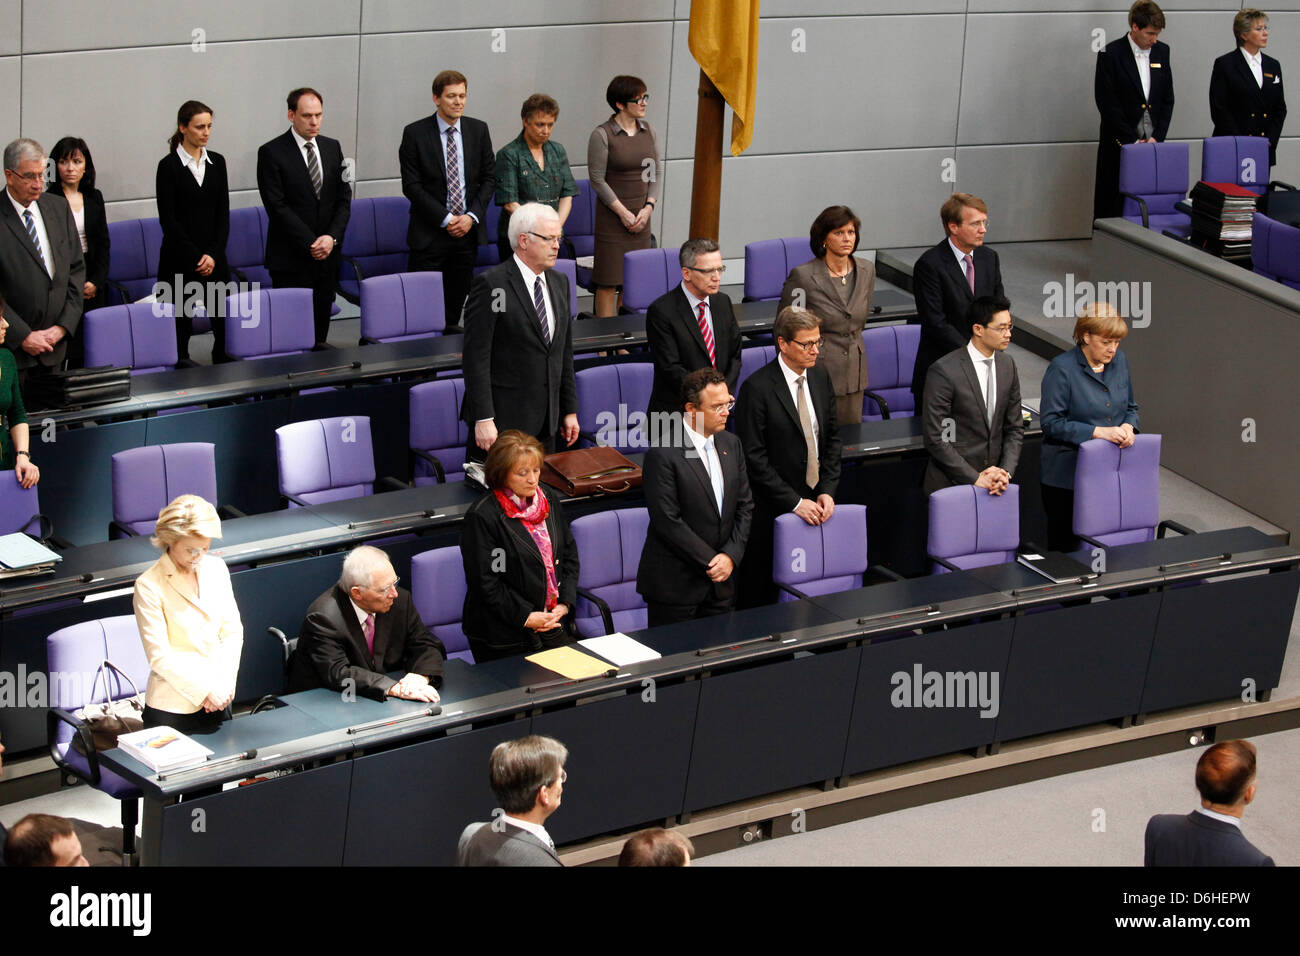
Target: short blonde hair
1099, 318
187, 515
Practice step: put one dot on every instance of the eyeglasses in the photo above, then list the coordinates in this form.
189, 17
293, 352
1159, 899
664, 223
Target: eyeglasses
812, 345
30, 177
194, 552
717, 271
723, 407
1000, 329
551, 240
979, 223
386, 588
643, 99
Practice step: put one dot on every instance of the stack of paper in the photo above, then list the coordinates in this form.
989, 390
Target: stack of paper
164, 750
22, 555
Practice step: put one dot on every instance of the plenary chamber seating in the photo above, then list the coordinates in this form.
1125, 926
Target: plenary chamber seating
970, 528
1152, 180
609, 550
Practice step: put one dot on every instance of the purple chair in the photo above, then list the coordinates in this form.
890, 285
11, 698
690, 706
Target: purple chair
970, 528
401, 306
327, 459
20, 510
1275, 250
612, 402
246, 245
438, 589
1238, 159
569, 269
438, 436
133, 246
648, 274
147, 479
891, 355
609, 545
768, 263
1152, 179
752, 358
488, 254
141, 337
74, 654
822, 559
1117, 493
264, 323
580, 228
374, 243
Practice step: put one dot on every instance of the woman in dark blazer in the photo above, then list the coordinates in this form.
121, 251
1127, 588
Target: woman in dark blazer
837, 287
1086, 394
521, 564
76, 183
194, 211
1242, 104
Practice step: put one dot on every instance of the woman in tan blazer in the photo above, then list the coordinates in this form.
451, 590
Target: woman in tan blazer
837, 287
189, 622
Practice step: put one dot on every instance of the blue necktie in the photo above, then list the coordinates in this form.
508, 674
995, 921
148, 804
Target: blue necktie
36, 239
539, 303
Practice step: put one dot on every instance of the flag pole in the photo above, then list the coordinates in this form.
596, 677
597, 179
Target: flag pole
706, 188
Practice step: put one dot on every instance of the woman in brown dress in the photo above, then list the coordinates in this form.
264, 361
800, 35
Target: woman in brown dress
625, 165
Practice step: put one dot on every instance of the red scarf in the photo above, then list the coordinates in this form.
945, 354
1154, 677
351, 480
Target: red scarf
533, 517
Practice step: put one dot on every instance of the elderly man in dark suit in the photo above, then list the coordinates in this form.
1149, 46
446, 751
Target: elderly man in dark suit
518, 355
527, 777
448, 173
363, 628
786, 419
308, 201
971, 412
42, 270
947, 278
1211, 834
1134, 90
1246, 97
697, 493
692, 326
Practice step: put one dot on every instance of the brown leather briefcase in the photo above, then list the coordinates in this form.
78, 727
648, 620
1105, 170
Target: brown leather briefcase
590, 471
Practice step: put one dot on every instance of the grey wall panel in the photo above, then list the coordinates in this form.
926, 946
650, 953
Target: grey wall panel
10, 39
1033, 192
131, 209
1288, 160
378, 187
10, 75
1201, 37
140, 90
1121, 6
397, 71
397, 16
93, 24
857, 8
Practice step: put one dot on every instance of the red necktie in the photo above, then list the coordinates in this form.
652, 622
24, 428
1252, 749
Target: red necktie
708, 336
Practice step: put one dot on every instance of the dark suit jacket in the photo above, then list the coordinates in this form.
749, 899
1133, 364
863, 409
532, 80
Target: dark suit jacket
686, 530
677, 345
842, 354
35, 301
96, 254
296, 216
505, 579
195, 219
776, 455
1117, 89
943, 298
1198, 840
952, 391
332, 649
480, 845
511, 375
1240, 108
424, 177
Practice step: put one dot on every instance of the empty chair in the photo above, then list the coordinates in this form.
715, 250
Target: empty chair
1152, 179
134, 245
891, 357
1242, 160
263, 323
609, 548
822, 559
437, 435
1275, 250
374, 243
569, 269
401, 306
970, 528
438, 589
612, 401
246, 245
141, 337
1117, 493
488, 254
648, 274
768, 262
327, 459
20, 510
147, 479
580, 228
752, 358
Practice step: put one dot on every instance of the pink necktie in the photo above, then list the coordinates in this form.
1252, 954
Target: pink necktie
708, 336
970, 273
368, 629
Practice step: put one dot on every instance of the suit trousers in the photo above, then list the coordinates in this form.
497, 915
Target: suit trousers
321, 282
660, 614
454, 258
1059, 505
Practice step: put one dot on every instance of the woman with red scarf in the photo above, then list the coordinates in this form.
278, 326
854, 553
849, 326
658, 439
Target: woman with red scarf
521, 565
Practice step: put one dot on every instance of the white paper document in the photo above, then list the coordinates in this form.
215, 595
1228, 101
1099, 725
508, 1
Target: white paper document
619, 649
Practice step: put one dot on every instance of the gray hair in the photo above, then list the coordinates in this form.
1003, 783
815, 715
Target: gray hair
359, 567
692, 249
527, 218
23, 150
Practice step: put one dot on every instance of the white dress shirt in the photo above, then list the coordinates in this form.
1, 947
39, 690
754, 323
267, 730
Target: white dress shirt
536, 829
1224, 817
984, 371
708, 452
196, 166
1256, 63
530, 278
1143, 60
35, 210
791, 381
443, 126
302, 151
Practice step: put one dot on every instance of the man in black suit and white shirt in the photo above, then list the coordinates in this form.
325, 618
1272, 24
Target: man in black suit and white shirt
1246, 97
786, 421
1134, 91
448, 173
527, 777
300, 177
1211, 834
692, 326
518, 355
947, 279
42, 270
363, 628
697, 493
970, 440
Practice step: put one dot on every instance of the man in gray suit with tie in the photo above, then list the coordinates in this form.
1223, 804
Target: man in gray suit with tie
972, 419
41, 266
527, 776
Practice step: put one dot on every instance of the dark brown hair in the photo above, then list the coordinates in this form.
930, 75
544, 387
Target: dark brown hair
448, 78
30, 839
1145, 14
1225, 770
539, 103
509, 447
696, 382
189, 109
623, 89
62, 150
656, 847
827, 221
295, 95
951, 211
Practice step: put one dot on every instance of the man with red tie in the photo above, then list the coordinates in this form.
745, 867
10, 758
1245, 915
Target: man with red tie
692, 327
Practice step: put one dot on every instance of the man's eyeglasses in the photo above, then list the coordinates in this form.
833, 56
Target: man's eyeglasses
550, 240
716, 271
723, 407
812, 345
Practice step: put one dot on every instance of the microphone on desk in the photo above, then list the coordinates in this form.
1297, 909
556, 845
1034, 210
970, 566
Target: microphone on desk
212, 762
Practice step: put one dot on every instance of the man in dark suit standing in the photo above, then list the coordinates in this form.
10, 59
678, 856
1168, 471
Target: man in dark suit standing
1246, 97
1134, 90
42, 270
527, 777
948, 278
448, 173
697, 493
1211, 834
300, 177
363, 628
786, 421
971, 412
518, 355
692, 326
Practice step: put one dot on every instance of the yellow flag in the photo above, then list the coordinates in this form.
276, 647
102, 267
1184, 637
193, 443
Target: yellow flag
724, 41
